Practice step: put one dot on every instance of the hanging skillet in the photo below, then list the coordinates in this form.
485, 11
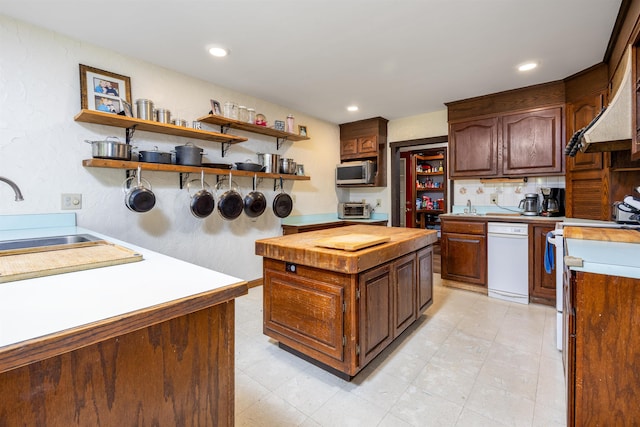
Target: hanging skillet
254, 203
139, 198
230, 204
202, 202
282, 203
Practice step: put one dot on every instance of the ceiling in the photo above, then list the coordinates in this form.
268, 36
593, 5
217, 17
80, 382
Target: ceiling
392, 58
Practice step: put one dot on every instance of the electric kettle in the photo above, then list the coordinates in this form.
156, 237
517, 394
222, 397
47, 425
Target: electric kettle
529, 204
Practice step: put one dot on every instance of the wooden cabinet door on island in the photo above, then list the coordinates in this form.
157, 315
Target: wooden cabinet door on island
425, 278
293, 304
388, 297
376, 312
405, 293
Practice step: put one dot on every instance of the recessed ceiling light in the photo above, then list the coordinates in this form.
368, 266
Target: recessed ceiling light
352, 108
218, 52
527, 66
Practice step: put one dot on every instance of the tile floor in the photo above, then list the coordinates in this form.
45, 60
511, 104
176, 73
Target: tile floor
469, 360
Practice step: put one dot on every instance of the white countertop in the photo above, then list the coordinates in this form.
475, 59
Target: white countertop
610, 258
37, 307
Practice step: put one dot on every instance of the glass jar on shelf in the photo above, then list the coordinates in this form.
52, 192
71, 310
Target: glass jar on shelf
243, 114
251, 115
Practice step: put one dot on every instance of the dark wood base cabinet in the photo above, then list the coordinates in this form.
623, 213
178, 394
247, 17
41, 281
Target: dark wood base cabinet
464, 251
175, 373
602, 350
343, 321
542, 285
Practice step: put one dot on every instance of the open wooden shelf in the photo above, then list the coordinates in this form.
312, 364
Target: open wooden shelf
225, 122
163, 167
102, 118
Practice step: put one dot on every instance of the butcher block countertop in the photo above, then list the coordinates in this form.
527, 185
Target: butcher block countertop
303, 248
46, 316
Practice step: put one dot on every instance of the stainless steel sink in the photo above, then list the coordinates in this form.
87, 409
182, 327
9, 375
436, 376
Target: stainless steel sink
37, 242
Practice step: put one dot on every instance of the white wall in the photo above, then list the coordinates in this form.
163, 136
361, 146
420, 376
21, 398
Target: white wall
42, 148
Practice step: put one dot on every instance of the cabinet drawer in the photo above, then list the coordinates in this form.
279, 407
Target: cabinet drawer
464, 227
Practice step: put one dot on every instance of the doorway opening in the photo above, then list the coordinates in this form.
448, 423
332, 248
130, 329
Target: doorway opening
403, 178
405, 181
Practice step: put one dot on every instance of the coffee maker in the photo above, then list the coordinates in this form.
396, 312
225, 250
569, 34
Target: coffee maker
552, 201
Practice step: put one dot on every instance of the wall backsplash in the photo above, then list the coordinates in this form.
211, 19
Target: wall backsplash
509, 194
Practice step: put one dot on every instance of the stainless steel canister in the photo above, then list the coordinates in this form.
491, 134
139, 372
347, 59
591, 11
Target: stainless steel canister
271, 162
164, 116
145, 109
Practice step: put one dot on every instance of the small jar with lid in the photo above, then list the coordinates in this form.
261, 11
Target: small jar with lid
243, 114
251, 115
231, 110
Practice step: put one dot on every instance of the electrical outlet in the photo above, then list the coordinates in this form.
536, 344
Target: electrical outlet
494, 198
70, 201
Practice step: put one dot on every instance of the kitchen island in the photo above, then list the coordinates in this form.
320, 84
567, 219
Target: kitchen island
339, 309
144, 343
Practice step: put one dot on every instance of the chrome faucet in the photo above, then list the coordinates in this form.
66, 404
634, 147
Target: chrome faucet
15, 188
469, 205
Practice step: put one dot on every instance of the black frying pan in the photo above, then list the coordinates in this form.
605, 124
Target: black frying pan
254, 203
139, 198
282, 203
202, 202
230, 204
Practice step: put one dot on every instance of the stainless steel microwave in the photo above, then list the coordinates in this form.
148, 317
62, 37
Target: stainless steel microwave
350, 173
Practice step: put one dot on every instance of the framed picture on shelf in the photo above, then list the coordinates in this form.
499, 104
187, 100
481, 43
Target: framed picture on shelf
102, 90
215, 108
279, 125
302, 130
126, 108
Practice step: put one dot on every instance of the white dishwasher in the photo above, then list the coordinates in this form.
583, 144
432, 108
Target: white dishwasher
508, 261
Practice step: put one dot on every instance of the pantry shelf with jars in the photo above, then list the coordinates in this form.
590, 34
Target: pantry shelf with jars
430, 188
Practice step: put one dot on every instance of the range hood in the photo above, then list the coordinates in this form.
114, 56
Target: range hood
611, 129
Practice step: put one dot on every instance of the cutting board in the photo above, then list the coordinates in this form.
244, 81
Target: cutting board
352, 242
38, 262
603, 234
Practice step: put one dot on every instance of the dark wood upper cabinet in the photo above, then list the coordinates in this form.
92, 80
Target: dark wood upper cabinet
532, 142
474, 148
526, 143
516, 133
579, 113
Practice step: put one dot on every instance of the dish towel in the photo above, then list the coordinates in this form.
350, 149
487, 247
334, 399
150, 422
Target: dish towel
548, 253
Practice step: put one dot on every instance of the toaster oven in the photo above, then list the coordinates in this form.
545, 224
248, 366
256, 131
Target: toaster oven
354, 210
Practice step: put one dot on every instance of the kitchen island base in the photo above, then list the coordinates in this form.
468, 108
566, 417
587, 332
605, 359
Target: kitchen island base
177, 372
337, 313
